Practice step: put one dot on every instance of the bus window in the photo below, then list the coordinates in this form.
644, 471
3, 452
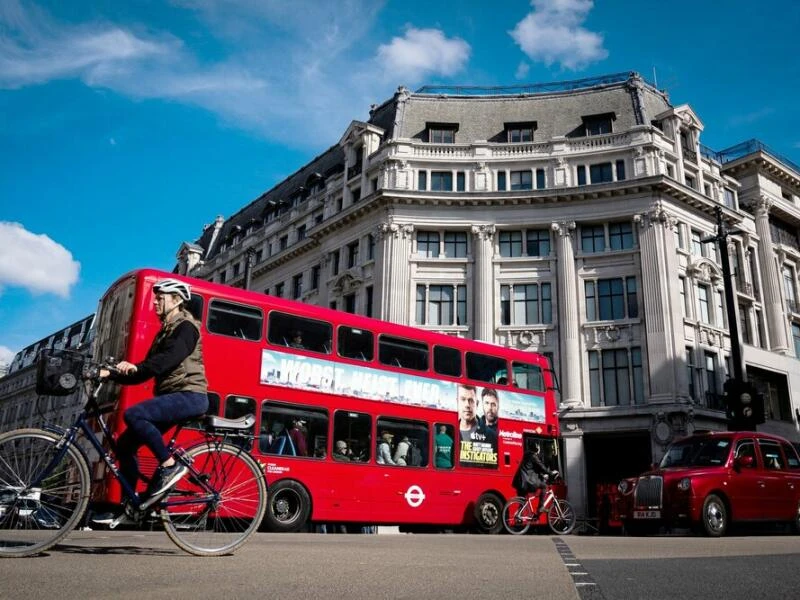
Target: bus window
447, 361
483, 367
443, 446
409, 443
195, 307
549, 451
236, 320
292, 430
407, 354
355, 343
239, 406
299, 332
353, 429
528, 376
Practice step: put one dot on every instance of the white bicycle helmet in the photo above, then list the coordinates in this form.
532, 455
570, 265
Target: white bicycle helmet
173, 286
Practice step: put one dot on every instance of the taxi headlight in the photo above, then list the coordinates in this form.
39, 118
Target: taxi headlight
685, 484
625, 487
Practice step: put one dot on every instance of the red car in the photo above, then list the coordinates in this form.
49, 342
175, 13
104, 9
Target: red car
708, 481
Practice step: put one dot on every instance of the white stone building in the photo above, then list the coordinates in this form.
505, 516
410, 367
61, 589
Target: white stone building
565, 219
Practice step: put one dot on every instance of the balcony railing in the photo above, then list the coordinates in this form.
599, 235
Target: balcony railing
690, 154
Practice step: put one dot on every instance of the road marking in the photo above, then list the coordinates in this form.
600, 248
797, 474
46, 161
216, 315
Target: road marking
587, 588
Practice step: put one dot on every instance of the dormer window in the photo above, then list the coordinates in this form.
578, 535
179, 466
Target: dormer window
520, 132
442, 133
598, 124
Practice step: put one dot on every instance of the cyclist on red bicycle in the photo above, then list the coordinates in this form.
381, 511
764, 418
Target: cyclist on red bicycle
531, 476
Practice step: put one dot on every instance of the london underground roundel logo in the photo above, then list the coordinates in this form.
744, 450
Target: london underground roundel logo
414, 496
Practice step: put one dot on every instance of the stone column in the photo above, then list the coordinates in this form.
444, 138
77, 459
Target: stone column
483, 283
663, 315
770, 279
568, 317
394, 271
575, 465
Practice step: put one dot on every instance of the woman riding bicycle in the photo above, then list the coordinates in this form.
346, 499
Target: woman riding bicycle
530, 476
175, 361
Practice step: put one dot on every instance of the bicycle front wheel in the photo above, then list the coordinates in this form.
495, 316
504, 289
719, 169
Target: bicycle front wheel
517, 515
561, 517
44, 490
215, 511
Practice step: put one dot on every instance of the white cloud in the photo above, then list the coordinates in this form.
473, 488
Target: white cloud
553, 33
35, 262
6, 355
421, 52
522, 70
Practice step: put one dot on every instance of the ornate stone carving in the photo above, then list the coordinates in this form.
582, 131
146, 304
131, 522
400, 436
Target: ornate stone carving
402, 231
563, 228
656, 216
483, 232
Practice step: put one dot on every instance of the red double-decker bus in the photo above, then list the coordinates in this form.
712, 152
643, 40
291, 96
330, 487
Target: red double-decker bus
358, 421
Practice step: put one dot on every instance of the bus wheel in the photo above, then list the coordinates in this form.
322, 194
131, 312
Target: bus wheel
488, 513
288, 506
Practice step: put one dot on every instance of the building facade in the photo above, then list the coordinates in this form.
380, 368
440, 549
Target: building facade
20, 406
569, 219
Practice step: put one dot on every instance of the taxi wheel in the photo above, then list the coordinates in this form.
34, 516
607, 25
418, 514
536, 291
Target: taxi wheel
714, 517
796, 522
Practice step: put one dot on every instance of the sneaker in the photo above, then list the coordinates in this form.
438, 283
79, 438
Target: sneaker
110, 518
164, 478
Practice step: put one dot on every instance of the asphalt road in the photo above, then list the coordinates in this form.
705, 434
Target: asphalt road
129, 564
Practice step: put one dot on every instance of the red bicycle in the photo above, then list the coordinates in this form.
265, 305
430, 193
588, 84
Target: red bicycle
519, 513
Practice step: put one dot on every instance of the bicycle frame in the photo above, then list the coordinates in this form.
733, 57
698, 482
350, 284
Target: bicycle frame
81, 424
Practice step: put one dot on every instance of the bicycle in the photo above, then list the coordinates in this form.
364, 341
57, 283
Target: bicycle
519, 513
45, 481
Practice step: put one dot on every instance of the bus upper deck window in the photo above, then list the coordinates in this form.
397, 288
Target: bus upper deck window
398, 352
528, 377
483, 367
447, 361
355, 343
236, 320
294, 331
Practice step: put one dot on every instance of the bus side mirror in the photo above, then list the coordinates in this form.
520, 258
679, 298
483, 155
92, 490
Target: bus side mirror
743, 462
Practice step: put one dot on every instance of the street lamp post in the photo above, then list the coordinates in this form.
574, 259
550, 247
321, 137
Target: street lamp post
740, 396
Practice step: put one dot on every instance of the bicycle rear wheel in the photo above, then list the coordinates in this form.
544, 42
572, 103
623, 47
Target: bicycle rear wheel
561, 517
213, 513
517, 515
42, 499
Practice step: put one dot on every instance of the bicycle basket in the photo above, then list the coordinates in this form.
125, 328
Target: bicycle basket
58, 372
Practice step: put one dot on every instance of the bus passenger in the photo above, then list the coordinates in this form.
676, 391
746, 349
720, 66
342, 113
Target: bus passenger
341, 452
384, 455
298, 433
401, 451
443, 449
296, 339
175, 361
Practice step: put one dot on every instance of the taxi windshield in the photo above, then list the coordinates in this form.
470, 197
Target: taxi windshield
698, 452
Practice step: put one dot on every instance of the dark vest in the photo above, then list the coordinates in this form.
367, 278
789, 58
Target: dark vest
190, 375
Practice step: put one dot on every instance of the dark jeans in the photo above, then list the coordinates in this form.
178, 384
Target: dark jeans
148, 421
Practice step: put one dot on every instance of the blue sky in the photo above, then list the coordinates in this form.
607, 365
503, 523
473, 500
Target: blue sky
127, 126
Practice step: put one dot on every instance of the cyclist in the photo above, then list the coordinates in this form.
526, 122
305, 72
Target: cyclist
531, 476
175, 361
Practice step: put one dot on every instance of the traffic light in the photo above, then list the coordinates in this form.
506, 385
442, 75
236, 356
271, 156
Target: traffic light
745, 406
